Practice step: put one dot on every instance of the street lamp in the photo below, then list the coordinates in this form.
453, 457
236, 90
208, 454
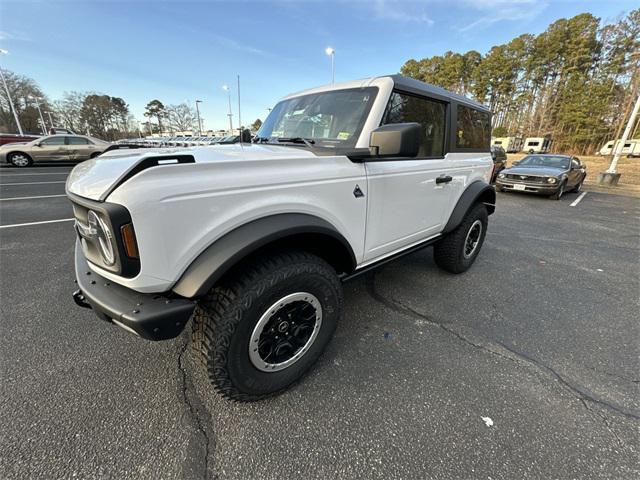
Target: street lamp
198, 113
44, 125
13, 109
332, 53
228, 90
50, 118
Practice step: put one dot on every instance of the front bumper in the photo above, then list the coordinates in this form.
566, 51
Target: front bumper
540, 188
148, 315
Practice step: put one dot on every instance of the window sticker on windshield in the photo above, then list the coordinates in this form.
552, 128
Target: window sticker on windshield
343, 135
298, 112
277, 133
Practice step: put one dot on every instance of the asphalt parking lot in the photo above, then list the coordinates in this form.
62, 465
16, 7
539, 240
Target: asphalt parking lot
524, 367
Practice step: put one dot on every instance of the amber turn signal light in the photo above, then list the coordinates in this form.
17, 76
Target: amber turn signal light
129, 241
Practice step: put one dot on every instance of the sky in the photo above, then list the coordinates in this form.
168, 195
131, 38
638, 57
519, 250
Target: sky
178, 51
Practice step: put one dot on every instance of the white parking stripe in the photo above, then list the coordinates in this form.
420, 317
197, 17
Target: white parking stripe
577, 200
37, 223
30, 198
27, 183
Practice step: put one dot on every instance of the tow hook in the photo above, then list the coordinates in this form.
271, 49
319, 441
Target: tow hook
78, 297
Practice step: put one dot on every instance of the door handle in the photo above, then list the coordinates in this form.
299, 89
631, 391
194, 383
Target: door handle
443, 179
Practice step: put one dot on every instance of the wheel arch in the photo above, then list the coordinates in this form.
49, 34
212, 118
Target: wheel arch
476, 192
12, 152
281, 231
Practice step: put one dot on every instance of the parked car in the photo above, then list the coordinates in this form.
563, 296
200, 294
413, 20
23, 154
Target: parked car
257, 238
548, 174
499, 157
52, 148
12, 138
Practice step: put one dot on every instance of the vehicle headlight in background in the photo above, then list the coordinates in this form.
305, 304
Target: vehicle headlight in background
552, 180
103, 236
501, 175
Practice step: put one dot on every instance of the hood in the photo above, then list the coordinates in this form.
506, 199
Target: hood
95, 179
537, 170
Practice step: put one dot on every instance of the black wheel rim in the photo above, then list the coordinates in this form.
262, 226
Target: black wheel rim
285, 332
472, 240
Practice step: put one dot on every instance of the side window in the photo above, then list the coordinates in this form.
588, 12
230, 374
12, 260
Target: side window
429, 114
78, 141
53, 141
473, 128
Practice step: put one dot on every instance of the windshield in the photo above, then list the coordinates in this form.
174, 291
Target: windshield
544, 161
330, 119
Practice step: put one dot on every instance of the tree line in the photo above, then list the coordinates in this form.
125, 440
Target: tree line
575, 82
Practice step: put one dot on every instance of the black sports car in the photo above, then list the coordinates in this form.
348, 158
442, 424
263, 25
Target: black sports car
545, 174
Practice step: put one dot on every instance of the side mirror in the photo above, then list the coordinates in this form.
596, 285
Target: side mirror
396, 140
515, 163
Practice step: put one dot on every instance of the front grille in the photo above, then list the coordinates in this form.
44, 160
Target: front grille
526, 178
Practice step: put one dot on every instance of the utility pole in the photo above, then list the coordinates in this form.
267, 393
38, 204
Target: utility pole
611, 176
332, 53
198, 113
239, 117
6, 89
50, 118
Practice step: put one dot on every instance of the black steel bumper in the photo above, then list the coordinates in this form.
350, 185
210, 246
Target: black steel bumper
148, 315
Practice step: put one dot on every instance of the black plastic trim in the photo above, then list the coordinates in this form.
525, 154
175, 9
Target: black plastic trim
469, 197
225, 252
151, 316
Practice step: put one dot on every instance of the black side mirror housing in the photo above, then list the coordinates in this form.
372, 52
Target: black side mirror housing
395, 140
515, 163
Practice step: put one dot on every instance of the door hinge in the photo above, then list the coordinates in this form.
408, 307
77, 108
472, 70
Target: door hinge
357, 192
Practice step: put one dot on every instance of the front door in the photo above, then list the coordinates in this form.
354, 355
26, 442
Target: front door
50, 149
408, 198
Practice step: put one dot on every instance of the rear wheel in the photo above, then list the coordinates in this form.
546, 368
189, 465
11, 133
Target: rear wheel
20, 160
262, 330
457, 251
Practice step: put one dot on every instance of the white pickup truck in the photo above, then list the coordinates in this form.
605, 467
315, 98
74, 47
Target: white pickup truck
252, 241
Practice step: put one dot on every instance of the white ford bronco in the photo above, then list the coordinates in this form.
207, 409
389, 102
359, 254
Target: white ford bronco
252, 241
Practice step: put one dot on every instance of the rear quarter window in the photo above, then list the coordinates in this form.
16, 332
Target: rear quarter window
473, 128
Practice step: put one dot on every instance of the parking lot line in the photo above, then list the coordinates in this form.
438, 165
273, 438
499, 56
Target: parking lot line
577, 200
37, 223
30, 174
31, 198
27, 183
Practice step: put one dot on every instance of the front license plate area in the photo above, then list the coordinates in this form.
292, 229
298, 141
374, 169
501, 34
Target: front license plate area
519, 186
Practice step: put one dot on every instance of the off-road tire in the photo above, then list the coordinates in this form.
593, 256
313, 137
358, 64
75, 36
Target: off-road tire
449, 252
225, 318
12, 158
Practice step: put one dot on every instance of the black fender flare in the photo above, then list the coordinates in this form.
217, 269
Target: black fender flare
476, 192
219, 257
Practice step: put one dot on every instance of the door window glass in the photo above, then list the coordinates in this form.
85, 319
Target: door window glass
429, 114
473, 129
53, 141
78, 141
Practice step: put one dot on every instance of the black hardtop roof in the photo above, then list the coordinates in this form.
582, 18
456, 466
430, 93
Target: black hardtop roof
412, 85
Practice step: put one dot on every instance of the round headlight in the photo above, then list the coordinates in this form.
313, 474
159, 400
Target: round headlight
552, 180
501, 175
103, 236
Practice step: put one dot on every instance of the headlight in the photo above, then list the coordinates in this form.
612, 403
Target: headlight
552, 179
501, 175
103, 235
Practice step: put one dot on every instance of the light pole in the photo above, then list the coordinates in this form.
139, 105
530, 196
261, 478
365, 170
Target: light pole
44, 125
6, 89
228, 90
198, 113
332, 53
50, 118
611, 176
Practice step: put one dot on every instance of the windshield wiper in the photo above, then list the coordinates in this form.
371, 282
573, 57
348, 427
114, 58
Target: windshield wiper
307, 141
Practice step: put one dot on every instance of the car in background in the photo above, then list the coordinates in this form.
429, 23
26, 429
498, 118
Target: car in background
13, 138
544, 174
60, 131
52, 148
499, 157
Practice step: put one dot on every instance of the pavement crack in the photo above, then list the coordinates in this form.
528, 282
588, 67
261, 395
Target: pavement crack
195, 410
518, 357
606, 423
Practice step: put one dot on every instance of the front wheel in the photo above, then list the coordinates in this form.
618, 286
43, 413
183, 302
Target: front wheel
20, 160
261, 330
457, 251
559, 192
